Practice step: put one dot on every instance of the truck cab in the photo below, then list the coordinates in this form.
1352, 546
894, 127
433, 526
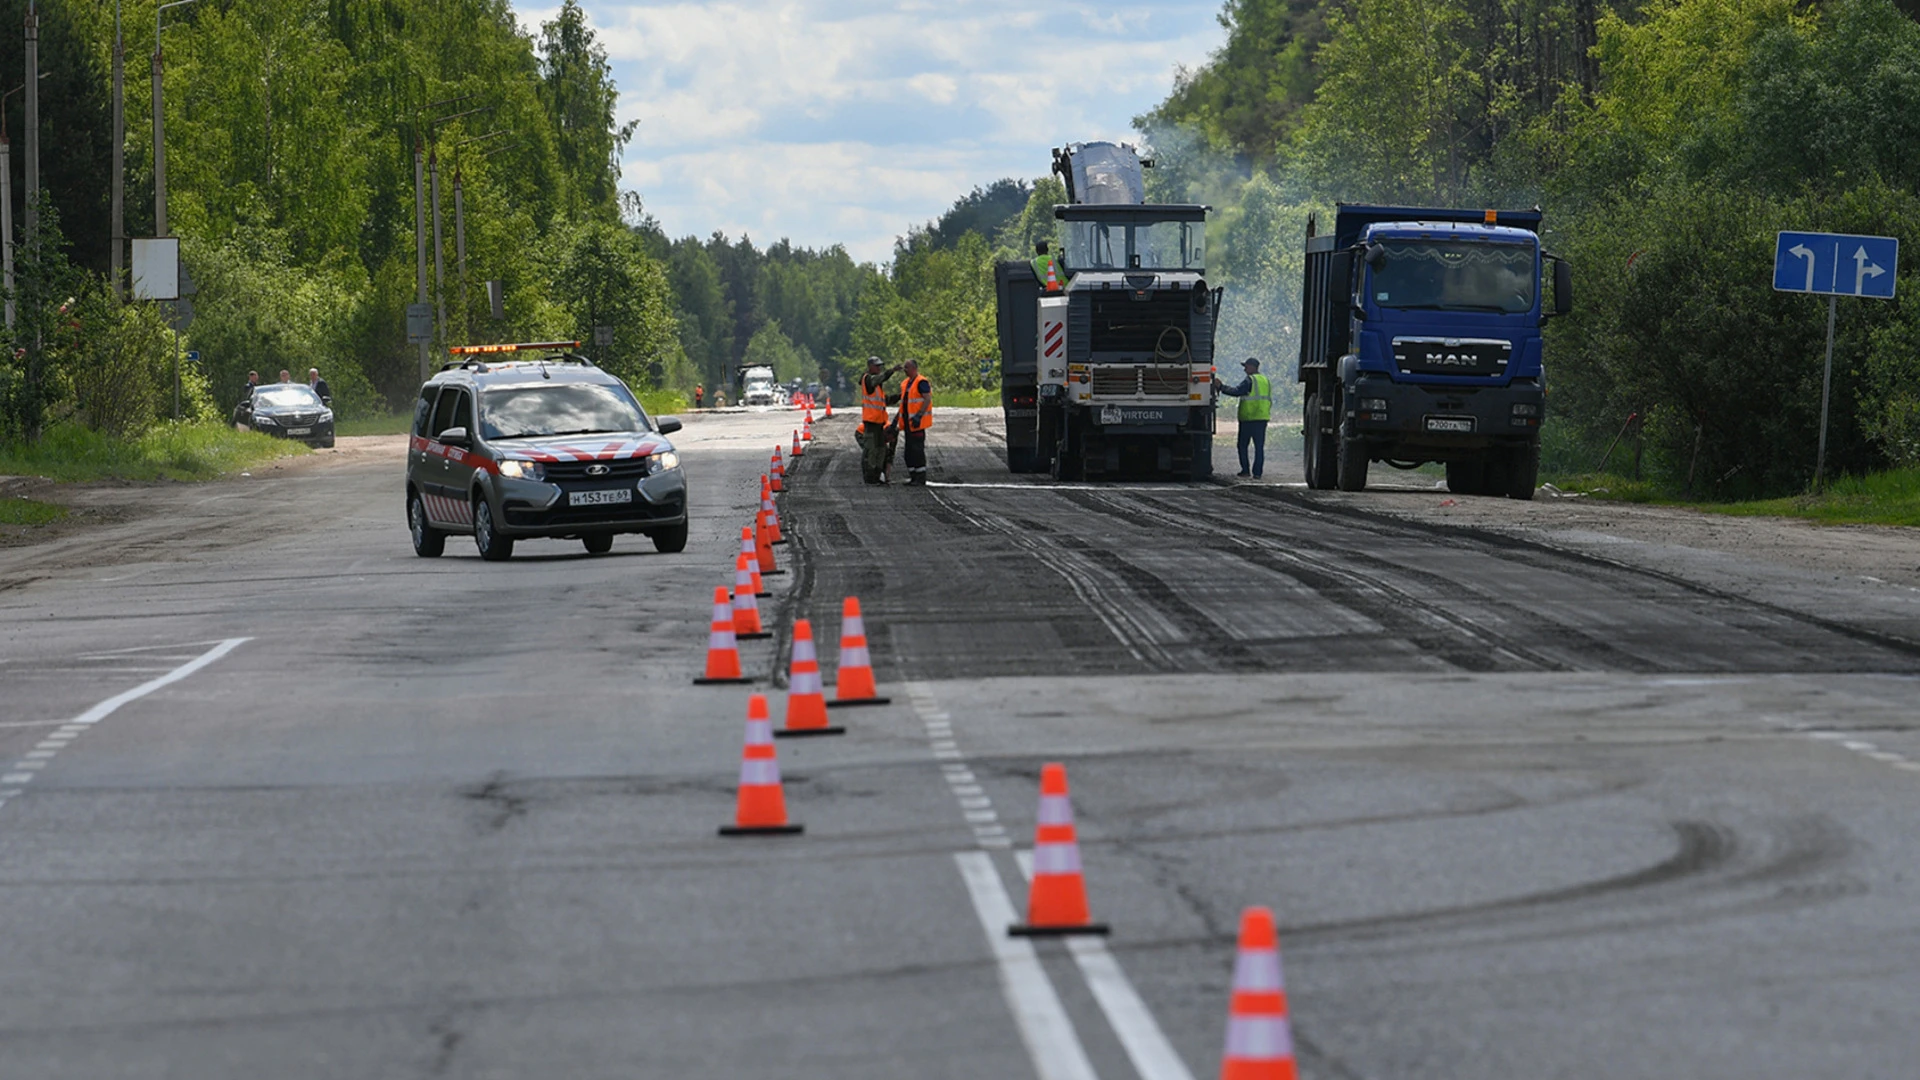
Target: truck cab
1422, 343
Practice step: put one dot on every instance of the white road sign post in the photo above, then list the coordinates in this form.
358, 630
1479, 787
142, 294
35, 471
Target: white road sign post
1834, 265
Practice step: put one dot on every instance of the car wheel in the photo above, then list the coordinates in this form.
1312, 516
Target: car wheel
326, 443
597, 543
493, 547
428, 542
670, 540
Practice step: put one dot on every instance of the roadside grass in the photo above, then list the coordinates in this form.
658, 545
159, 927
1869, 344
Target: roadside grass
1886, 498
663, 402
394, 424
185, 451
21, 510
966, 399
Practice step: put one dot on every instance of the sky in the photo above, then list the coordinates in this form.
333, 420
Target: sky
849, 122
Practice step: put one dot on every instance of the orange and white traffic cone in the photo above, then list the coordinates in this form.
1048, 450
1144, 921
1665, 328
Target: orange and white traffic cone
761, 806
806, 704
1259, 1039
770, 514
763, 547
796, 451
750, 547
723, 652
853, 681
806, 429
1057, 899
778, 472
746, 609
829, 413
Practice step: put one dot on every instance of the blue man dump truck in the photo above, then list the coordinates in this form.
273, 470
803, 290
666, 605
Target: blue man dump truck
1110, 372
1420, 342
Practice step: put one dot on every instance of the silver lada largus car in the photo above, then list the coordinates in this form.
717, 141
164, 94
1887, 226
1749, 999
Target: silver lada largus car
508, 446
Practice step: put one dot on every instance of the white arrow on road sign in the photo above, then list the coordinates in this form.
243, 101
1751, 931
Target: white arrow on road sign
1863, 270
1802, 251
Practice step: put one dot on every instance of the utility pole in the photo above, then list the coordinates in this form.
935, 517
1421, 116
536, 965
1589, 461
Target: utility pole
160, 129
420, 246
6, 217
439, 248
33, 123
460, 241
119, 154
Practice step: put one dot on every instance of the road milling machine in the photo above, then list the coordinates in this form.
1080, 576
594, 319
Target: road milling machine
1108, 371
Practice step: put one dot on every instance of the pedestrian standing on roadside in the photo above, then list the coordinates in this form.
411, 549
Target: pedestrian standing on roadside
874, 400
253, 383
319, 385
916, 416
699, 394
1256, 408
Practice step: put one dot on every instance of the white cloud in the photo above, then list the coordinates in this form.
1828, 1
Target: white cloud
853, 121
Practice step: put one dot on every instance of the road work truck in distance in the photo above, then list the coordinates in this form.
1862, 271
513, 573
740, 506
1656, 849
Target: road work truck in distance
1420, 342
1108, 367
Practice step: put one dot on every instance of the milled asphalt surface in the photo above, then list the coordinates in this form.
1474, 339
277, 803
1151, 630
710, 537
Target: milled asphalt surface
1524, 809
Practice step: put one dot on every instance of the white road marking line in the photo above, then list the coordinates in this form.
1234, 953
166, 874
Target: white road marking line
1044, 1025
37, 758
1146, 1045
1865, 749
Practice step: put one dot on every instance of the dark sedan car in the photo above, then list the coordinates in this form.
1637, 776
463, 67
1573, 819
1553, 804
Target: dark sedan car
289, 411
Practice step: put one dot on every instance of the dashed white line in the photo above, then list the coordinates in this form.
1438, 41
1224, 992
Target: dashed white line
1051, 1041
36, 759
1865, 749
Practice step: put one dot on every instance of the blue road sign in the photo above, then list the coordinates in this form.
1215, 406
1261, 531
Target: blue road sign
193, 356
1835, 264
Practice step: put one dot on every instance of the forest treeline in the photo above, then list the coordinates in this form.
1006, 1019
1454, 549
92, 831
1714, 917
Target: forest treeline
1667, 141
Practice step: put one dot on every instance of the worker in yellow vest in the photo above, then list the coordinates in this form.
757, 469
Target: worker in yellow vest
872, 436
1256, 408
1047, 269
916, 416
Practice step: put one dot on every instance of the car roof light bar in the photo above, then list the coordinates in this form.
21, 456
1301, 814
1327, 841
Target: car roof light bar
523, 346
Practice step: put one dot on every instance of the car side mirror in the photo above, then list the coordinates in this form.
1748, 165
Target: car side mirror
455, 436
668, 424
1562, 287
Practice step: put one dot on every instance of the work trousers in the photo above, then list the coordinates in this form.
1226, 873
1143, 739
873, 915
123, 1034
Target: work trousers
916, 456
1254, 432
873, 451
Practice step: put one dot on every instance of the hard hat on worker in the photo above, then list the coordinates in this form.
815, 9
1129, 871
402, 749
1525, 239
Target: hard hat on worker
873, 361
1251, 364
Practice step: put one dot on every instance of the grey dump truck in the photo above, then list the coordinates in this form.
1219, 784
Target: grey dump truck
1420, 342
1112, 371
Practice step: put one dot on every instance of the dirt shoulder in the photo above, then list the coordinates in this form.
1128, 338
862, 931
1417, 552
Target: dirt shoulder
124, 512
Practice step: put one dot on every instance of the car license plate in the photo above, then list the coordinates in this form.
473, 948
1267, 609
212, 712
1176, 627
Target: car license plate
599, 498
1450, 423
299, 431
1110, 414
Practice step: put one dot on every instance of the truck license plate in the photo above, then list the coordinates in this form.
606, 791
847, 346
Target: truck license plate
598, 498
1450, 423
1110, 414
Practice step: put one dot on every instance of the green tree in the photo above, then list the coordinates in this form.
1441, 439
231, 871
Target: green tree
580, 96
608, 280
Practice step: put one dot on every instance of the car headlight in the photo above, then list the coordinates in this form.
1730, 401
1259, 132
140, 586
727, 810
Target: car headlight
326, 416
662, 461
1523, 408
1373, 404
264, 421
523, 470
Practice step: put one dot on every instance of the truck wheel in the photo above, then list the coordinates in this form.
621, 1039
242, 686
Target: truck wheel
1465, 477
1523, 472
1350, 462
1319, 446
493, 547
1019, 459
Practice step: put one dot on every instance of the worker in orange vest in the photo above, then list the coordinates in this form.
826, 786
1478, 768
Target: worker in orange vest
874, 400
1047, 269
916, 416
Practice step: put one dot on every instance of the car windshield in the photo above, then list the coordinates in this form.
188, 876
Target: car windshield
1453, 276
527, 410
285, 396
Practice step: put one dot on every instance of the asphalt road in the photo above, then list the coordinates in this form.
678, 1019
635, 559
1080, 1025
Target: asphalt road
1524, 809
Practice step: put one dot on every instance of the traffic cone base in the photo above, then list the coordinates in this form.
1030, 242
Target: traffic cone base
801, 733
761, 830
843, 703
1023, 930
707, 680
